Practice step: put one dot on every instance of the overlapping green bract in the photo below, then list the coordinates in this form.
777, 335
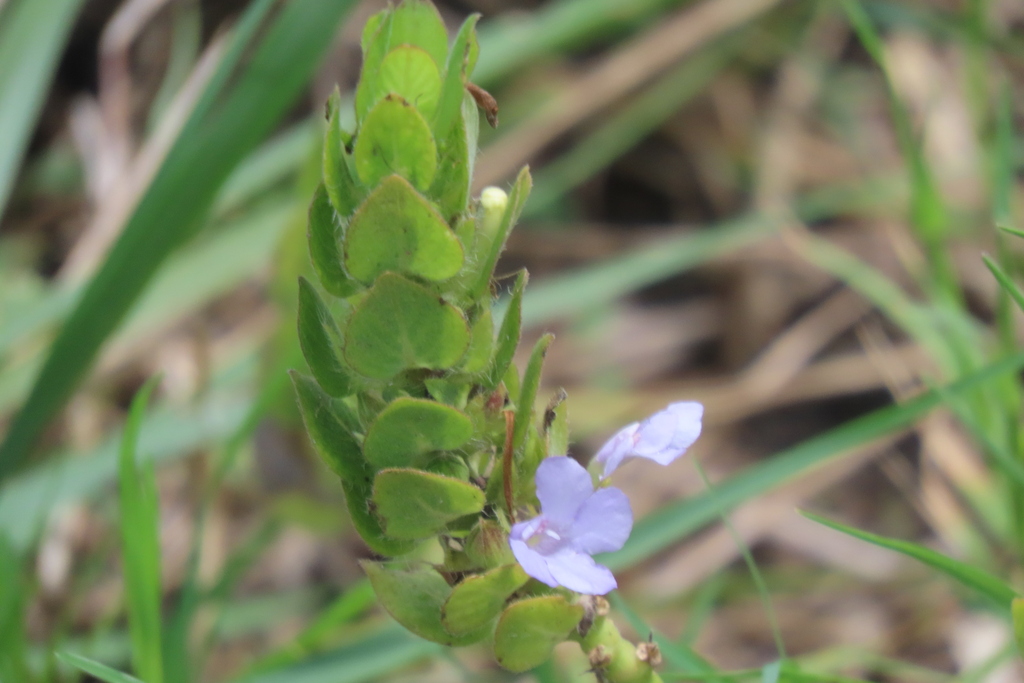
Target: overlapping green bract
413, 400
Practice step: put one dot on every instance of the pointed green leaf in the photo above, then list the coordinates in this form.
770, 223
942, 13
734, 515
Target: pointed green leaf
376, 43
556, 425
141, 545
487, 257
320, 341
409, 72
479, 599
409, 428
395, 138
528, 392
397, 229
342, 189
337, 447
528, 630
401, 325
456, 159
474, 55
417, 22
325, 425
481, 343
413, 595
370, 29
1005, 281
96, 669
417, 504
453, 88
508, 335
972, 577
14, 593
358, 496
325, 247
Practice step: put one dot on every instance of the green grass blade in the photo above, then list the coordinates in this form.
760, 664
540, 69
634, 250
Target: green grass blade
94, 668
1007, 284
992, 587
222, 130
32, 35
928, 211
667, 526
141, 545
13, 642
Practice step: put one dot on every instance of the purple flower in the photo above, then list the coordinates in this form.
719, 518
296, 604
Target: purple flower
662, 437
575, 522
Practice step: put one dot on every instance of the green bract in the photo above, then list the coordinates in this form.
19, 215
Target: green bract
529, 629
414, 595
479, 599
410, 427
401, 325
397, 229
395, 138
417, 504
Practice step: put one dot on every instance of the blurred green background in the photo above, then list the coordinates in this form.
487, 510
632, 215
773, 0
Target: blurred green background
776, 207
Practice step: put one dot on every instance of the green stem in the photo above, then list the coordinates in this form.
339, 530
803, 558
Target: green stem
613, 659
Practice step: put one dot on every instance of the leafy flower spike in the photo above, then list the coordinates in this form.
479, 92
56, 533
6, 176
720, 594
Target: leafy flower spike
662, 437
575, 522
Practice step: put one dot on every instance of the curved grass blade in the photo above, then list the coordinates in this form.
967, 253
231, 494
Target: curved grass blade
141, 545
94, 668
14, 664
32, 35
992, 587
228, 123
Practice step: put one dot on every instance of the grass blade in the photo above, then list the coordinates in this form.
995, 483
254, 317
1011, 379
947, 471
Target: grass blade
32, 35
95, 669
1007, 284
13, 643
666, 527
992, 587
141, 545
222, 130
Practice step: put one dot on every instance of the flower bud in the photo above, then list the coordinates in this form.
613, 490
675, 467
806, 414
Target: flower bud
487, 545
493, 201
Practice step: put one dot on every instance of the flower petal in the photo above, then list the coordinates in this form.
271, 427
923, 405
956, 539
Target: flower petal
603, 522
667, 434
616, 448
563, 485
578, 572
532, 562
662, 437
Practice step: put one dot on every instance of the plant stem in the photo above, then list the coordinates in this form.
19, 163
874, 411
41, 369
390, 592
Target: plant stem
613, 659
